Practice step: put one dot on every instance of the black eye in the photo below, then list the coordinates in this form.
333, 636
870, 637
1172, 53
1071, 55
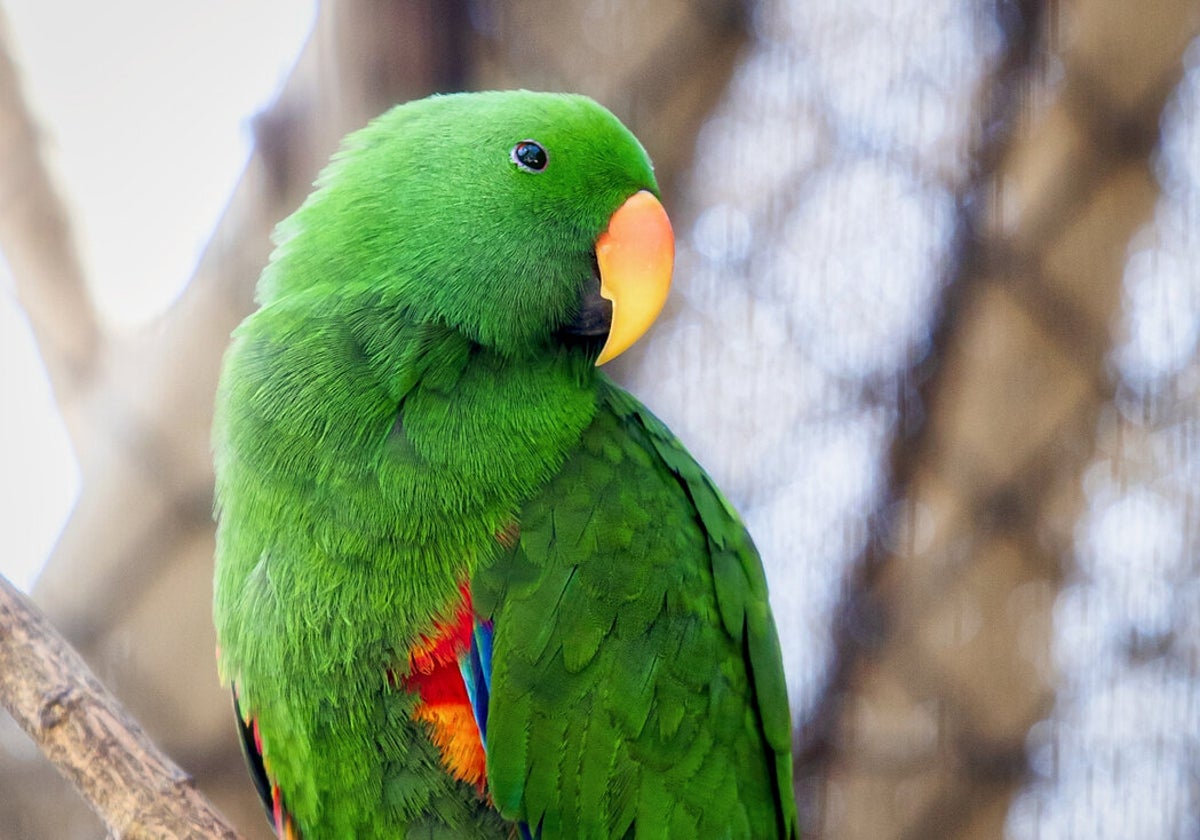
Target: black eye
530, 156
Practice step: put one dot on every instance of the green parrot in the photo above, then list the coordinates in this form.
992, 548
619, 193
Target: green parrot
466, 586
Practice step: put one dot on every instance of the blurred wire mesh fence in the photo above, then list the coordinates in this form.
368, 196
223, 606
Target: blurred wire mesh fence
935, 333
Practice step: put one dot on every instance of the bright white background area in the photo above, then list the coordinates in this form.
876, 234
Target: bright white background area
144, 108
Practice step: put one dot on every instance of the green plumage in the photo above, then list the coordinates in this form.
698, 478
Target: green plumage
402, 398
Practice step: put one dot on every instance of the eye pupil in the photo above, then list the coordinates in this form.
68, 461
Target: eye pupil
530, 155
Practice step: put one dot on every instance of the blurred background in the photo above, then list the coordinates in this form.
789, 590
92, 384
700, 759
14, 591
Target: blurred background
934, 330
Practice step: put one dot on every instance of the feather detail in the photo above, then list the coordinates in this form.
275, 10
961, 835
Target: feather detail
477, 675
441, 671
509, 535
285, 828
260, 772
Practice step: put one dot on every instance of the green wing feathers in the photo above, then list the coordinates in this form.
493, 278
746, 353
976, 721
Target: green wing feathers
637, 685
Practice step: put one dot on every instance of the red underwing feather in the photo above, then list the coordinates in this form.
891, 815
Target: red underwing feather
435, 676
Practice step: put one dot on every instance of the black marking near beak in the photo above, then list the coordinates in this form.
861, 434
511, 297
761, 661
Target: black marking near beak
593, 319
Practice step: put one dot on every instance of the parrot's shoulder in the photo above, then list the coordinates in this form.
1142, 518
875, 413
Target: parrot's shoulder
718, 516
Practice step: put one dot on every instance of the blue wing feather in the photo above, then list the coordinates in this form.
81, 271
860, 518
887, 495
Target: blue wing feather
483, 642
476, 669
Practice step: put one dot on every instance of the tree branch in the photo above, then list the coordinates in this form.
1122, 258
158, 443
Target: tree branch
135, 789
37, 243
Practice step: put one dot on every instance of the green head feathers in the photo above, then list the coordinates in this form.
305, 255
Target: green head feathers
430, 208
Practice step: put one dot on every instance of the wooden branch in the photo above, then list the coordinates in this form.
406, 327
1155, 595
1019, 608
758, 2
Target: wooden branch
135, 789
40, 249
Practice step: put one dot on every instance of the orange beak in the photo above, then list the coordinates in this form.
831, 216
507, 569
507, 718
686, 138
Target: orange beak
636, 255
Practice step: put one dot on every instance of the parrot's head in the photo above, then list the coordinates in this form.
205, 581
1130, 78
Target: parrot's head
523, 220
